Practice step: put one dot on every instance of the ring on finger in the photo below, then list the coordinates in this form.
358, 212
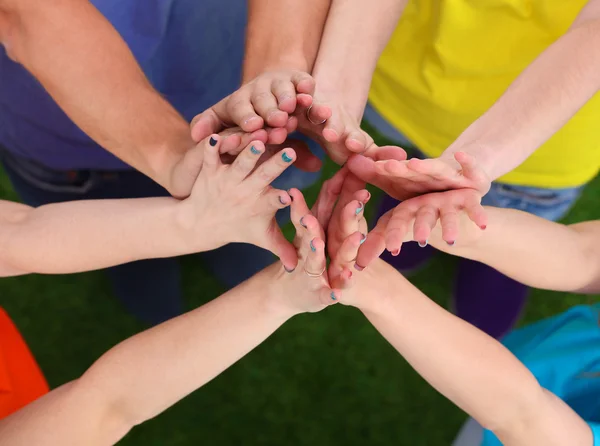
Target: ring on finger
310, 120
309, 274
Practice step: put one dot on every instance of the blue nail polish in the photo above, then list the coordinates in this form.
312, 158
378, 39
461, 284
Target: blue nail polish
312, 247
423, 244
333, 296
254, 151
285, 157
213, 141
359, 208
364, 239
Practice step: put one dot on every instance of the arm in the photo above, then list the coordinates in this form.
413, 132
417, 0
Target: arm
146, 374
87, 68
540, 101
470, 368
48, 239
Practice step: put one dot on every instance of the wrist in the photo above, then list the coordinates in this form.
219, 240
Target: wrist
274, 60
373, 288
198, 233
273, 285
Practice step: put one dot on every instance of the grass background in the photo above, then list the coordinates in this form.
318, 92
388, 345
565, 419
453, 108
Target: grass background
324, 379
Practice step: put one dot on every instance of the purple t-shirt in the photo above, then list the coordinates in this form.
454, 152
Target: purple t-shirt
191, 50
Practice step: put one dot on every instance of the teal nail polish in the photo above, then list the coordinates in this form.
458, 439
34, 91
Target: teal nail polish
359, 208
285, 157
312, 247
364, 239
333, 296
254, 151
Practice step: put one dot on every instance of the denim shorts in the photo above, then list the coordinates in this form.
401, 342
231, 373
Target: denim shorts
549, 203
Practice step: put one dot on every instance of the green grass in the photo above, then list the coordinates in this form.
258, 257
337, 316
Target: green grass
324, 379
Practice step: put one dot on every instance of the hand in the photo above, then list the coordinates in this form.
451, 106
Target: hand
266, 101
407, 179
416, 218
235, 203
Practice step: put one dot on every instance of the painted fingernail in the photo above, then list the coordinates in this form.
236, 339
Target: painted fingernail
333, 296
423, 243
451, 243
302, 223
212, 141
285, 157
363, 239
483, 227
357, 267
254, 150
359, 208
312, 247
282, 201
287, 270
396, 252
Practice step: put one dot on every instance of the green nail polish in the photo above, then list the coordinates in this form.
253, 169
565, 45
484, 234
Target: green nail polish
312, 247
254, 151
285, 157
333, 296
359, 208
364, 239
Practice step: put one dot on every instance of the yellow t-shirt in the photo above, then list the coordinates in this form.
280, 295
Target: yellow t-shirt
450, 60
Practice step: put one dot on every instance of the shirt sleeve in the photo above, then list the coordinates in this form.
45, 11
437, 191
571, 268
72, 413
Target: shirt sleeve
595, 433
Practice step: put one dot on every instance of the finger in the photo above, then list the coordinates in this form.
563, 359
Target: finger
236, 141
212, 159
357, 140
204, 124
274, 200
425, 221
397, 228
281, 247
386, 153
265, 104
320, 112
298, 209
374, 245
239, 110
449, 222
334, 128
285, 92
270, 169
477, 215
434, 168
305, 159
350, 217
245, 162
303, 82
329, 296
291, 125
349, 249
328, 196
304, 100
315, 260
277, 135
471, 170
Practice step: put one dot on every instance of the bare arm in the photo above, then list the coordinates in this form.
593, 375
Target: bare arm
87, 68
540, 101
467, 366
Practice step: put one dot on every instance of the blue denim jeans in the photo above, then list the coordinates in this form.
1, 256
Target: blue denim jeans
149, 289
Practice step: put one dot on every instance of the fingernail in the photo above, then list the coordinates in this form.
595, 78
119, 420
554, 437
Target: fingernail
285, 157
333, 296
368, 195
357, 267
451, 243
359, 208
282, 201
302, 223
254, 151
212, 141
312, 247
423, 244
396, 252
289, 191
364, 239
287, 270
483, 227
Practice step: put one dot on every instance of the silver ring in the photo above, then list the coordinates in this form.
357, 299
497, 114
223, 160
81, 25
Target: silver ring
310, 120
309, 274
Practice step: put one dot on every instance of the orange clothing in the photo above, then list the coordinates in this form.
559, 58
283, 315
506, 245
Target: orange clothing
21, 380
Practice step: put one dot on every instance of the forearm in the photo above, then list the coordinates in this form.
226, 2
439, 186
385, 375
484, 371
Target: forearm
355, 34
146, 374
86, 235
87, 68
538, 103
283, 34
532, 250
470, 368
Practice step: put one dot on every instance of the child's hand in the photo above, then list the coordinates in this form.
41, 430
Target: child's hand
235, 203
415, 219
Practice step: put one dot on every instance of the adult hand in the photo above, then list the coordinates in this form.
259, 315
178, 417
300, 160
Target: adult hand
236, 202
266, 101
407, 179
